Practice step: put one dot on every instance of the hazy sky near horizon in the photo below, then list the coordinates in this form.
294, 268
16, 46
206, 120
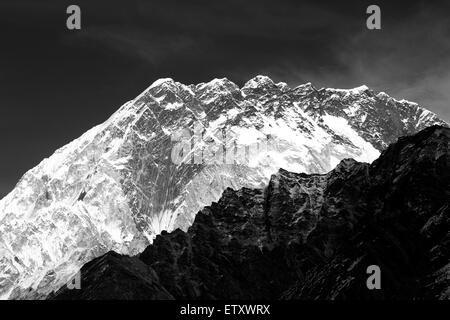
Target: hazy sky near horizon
55, 84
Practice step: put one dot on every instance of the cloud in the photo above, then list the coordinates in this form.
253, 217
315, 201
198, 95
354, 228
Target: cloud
409, 58
134, 43
309, 41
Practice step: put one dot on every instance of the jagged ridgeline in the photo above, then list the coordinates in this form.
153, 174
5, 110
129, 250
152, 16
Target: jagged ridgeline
304, 236
117, 186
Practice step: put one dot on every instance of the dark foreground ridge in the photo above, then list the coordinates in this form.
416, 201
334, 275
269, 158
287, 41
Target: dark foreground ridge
304, 237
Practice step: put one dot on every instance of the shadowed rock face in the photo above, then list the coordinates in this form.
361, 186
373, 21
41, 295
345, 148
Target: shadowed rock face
305, 237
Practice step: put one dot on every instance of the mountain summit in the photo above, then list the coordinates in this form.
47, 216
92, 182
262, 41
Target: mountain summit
171, 151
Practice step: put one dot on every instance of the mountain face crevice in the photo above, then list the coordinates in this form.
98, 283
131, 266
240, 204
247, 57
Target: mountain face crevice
325, 231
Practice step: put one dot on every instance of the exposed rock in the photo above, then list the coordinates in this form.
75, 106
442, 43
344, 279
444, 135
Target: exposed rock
312, 236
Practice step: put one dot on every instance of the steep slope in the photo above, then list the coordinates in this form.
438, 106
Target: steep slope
309, 236
171, 151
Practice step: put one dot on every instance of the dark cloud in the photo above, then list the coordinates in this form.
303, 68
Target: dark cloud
55, 84
408, 59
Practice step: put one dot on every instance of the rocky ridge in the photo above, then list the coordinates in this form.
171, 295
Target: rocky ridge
304, 236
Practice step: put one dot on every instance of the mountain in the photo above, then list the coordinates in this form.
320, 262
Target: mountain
171, 151
304, 236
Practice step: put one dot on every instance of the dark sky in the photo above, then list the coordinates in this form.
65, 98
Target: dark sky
55, 84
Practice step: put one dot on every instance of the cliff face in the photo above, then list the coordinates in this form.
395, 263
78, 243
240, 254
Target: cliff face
170, 152
304, 237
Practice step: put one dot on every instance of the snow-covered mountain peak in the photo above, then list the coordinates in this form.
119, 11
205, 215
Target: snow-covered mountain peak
171, 151
217, 88
162, 82
217, 83
259, 81
263, 85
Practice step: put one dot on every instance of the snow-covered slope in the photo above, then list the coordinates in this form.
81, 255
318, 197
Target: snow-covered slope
120, 183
